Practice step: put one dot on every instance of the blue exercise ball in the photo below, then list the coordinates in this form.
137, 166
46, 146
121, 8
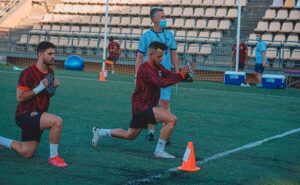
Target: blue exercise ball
74, 62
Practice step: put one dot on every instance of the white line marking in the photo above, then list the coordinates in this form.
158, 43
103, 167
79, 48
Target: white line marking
214, 157
233, 93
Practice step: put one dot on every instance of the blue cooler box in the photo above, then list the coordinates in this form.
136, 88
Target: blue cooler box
273, 81
234, 78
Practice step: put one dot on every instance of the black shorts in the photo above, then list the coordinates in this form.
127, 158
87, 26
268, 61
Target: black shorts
30, 126
241, 66
142, 119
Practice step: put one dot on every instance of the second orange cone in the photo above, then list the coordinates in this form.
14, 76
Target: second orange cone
102, 76
189, 160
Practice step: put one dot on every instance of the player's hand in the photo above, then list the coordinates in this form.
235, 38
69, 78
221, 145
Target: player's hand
185, 70
56, 82
45, 82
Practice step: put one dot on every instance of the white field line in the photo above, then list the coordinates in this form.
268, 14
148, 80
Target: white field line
214, 157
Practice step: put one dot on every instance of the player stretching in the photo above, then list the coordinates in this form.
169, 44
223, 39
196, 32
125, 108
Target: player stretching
151, 76
33, 102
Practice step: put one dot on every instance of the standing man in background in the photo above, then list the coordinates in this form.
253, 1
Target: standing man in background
243, 58
260, 59
161, 34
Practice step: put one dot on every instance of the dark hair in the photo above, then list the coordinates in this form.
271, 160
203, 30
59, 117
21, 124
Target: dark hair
154, 10
43, 46
157, 45
111, 38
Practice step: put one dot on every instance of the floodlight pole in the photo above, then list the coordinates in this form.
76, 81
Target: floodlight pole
105, 34
237, 46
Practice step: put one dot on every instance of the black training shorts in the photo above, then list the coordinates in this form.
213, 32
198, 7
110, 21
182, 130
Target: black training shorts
142, 119
30, 125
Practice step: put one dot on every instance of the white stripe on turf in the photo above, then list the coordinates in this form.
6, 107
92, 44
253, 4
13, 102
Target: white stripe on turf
214, 157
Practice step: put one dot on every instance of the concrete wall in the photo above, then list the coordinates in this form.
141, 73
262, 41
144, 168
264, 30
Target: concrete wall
21, 11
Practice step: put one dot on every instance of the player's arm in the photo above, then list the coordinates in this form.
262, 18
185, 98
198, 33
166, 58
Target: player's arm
246, 55
264, 58
175, 60
172, 78
25, 93
139, 60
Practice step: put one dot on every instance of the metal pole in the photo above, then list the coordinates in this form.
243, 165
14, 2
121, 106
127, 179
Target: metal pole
105, 35
237, 51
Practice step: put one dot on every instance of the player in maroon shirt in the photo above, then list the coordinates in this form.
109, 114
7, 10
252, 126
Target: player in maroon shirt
150, 78
33, 102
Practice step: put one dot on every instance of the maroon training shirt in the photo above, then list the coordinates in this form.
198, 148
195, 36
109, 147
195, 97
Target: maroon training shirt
150, 78
28, 80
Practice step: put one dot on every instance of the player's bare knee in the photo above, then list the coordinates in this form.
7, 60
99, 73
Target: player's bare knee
173, 120
131, 137
27, 154
58, 123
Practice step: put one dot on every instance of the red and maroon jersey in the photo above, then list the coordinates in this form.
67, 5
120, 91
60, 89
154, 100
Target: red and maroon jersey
114, 49
242, 52
28, 80
150, 78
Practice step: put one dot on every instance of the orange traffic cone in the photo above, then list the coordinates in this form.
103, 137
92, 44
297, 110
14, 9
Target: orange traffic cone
189, 161
102, 76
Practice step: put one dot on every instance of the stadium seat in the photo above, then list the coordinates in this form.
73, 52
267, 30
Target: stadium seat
277, 3
136, 21
167, 11
230, 3
232, 13
268, 38
297, 28
207, 3
262, 26
193, 49
54, 40
252, 39
197, 2
215, 36
84, 30
210, 12
175, 2
191, 36
212, 24
295, 55
270, 14
221, 12
179, 23
115, 32
115, 21
219, 3
289, 4
199, 12
274, 26
135, 10
55, 30
205, 49
204, 36
282, 15
177, 11
272, 53
292, 40
224, 25
188, 12
23, 39
180, 48
285, 53
136, 32
83, 42
63, 42
125, 21
189, 24
145, 10
278, 39
97, 20
180, 35
146, 22
287, 27
294, 15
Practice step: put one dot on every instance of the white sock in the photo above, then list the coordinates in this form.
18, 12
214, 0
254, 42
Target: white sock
104, 132
151, 131
160, 145
5, 142
53, 150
